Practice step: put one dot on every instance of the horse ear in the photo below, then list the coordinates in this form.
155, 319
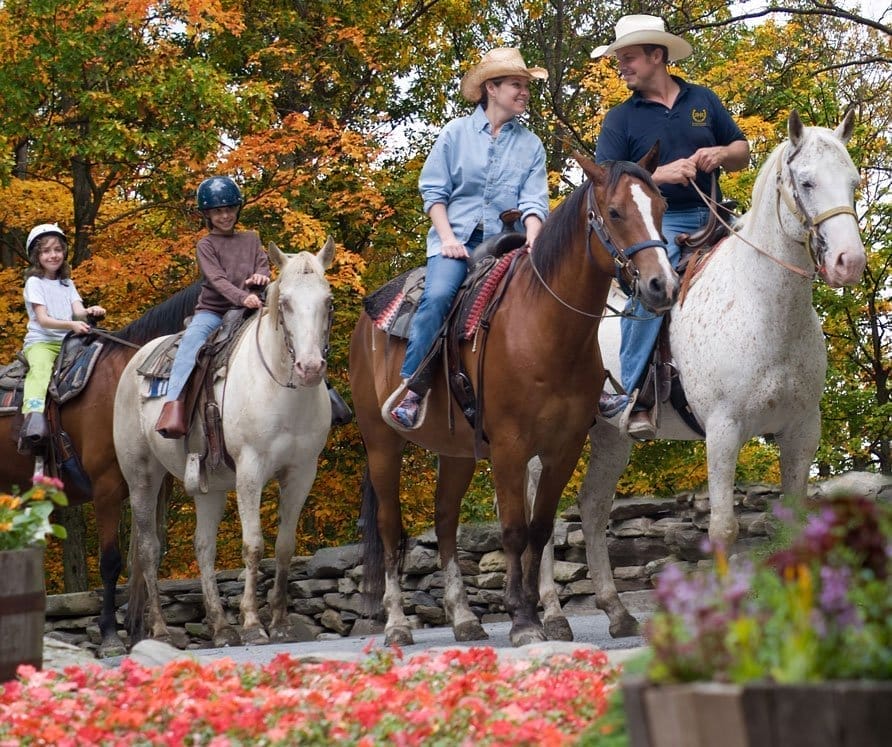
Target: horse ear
651, 159
795, 128
589, 167
847, 126
326, 254
276, 255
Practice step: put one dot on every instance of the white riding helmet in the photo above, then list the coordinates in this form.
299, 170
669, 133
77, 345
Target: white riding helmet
44, 229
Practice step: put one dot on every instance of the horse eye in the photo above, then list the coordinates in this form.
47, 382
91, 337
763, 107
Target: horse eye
614, 214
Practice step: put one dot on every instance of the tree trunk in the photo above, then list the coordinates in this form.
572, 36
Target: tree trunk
74, 556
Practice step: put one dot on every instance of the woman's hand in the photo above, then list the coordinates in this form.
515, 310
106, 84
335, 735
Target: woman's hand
454, 249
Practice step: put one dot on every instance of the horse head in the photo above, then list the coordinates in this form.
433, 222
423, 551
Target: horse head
817, 181
625, 212
300, 302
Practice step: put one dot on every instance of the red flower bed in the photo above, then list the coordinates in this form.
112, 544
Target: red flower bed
458, 697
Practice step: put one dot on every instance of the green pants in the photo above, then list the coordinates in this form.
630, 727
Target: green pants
40, 356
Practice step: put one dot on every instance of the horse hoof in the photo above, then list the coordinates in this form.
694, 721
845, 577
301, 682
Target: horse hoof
111, 646
401, 636
471, 630
527, 635
624, 626
282, 634
558, 629
227, 636
254, 637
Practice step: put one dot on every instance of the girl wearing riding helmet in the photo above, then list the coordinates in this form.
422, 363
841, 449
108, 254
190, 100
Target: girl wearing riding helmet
230, 262
54, 309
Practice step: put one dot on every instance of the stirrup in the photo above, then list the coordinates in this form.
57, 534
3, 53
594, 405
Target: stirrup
394, 400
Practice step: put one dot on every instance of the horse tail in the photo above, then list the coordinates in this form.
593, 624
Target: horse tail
372, 547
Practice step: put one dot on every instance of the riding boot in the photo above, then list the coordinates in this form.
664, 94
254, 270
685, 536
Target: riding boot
34, 433
341, 414
172, 421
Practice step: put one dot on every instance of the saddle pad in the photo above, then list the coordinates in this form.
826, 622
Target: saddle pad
391, 306
73, 366
478, 291
12, 380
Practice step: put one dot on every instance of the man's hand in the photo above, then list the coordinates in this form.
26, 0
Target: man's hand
676, 172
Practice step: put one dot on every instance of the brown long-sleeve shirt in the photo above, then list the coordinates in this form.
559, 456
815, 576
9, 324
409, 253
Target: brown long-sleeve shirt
226, 262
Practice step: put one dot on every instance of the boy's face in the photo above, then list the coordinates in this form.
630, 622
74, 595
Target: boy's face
223, 219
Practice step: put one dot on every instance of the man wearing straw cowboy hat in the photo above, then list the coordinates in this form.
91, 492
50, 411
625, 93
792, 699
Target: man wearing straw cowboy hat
481, 165
697, 138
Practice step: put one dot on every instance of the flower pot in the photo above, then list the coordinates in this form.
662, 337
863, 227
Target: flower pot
22, 609
829, 714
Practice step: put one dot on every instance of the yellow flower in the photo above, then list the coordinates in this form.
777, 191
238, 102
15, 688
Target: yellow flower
5, 526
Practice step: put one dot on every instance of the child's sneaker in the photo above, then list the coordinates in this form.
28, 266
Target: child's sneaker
611, 405
406, 412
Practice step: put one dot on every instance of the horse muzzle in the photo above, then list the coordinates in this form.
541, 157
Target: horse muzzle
309, 373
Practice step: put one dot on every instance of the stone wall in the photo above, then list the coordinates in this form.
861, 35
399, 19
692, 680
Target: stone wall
645, 534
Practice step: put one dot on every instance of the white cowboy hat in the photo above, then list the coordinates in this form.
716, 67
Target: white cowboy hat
497, 63
641, 29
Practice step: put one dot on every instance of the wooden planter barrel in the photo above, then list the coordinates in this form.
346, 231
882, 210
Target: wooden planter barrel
705, 714
22, 609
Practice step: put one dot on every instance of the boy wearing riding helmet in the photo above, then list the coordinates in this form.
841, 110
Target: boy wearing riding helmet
231, 262
54, 309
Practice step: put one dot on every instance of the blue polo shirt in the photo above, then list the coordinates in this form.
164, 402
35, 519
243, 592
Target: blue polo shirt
696, 120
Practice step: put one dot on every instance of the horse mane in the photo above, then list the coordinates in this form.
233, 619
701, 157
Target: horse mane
556, 237
164, 319
765, 176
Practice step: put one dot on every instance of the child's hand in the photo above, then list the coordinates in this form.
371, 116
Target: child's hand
257, 280
252, 301
81, 328
97, 312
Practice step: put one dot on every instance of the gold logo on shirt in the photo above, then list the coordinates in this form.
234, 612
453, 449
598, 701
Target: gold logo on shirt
698, 116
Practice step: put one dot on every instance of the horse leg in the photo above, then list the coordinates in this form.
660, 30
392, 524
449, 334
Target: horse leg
723, 443
557, 628
294, 487
107, 510
798, 443
383, 531
208, 513
453, 477
144, 491
248, 492
610, 453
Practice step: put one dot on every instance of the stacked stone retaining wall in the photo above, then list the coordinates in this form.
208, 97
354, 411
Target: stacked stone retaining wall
645, 534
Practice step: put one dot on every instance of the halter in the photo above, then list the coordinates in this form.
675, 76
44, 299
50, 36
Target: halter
621, 258
794, 204
289, 345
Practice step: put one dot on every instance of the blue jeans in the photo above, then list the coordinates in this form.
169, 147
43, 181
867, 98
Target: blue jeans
201, 327
442, 280
640, 336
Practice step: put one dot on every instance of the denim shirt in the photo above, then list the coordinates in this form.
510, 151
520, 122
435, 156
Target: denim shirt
478, 177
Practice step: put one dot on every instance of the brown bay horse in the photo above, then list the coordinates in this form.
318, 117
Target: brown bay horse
541, 378
87, 419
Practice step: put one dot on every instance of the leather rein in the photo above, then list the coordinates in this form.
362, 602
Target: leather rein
622, 258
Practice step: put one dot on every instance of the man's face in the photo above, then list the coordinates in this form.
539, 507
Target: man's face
636, 68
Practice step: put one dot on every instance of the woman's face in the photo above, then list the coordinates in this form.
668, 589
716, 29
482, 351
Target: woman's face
511, 94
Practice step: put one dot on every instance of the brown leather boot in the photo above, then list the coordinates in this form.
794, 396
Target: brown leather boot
172, 421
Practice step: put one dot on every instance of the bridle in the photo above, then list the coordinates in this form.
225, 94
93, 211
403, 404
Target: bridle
794, 204
289, 344
626, 272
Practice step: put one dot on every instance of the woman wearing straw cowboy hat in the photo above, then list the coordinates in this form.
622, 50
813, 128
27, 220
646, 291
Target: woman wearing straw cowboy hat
481, 165
697, 138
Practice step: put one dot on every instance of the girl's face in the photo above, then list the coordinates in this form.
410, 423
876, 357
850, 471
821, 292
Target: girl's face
51, 256
223, 219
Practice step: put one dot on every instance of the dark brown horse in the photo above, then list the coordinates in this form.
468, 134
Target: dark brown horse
541, 380
88, 421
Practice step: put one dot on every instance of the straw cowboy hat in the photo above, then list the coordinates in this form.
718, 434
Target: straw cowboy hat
497, 63
641, 29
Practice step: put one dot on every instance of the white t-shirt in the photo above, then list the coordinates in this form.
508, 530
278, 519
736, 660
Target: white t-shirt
57, 298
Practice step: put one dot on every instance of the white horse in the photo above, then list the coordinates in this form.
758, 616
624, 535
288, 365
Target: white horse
276, 416
747, 344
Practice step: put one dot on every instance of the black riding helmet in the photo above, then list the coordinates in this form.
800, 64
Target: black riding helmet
218, 191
